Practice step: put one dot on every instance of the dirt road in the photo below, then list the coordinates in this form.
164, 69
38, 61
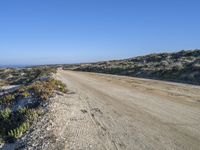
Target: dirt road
113, 112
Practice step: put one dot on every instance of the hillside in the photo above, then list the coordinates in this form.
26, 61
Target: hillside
183, 66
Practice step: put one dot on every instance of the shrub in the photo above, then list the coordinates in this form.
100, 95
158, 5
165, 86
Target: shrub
14, 124
26, 94
58, 85
18, 132
45, 89
2, 83
41, 90
8, 98
29, 114
5, 114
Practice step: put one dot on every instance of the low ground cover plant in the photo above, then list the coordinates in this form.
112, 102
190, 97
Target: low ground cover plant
39, 88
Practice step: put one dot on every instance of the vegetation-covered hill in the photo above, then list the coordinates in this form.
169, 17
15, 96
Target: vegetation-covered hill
183, 66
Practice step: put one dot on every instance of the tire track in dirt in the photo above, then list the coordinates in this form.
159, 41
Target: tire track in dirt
93, 112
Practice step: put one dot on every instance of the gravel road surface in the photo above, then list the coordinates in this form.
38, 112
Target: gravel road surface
115, 112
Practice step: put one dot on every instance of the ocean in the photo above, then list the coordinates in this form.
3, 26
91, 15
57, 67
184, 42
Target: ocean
12, 66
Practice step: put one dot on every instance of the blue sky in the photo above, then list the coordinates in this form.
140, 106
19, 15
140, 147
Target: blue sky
73, 31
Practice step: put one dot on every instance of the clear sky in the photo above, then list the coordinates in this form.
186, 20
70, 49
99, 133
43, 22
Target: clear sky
73, 31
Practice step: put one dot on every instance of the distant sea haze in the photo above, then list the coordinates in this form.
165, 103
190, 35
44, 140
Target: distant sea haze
12, 66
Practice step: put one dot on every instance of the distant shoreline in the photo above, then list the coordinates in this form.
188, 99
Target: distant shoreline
12, 66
